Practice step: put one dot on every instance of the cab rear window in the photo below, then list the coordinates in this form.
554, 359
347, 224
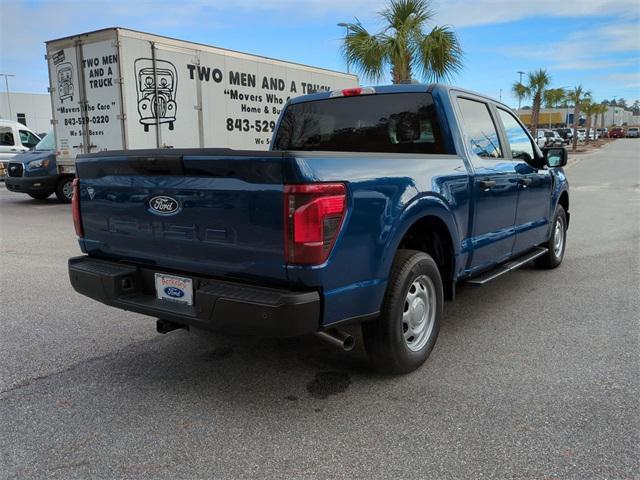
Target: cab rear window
393, 123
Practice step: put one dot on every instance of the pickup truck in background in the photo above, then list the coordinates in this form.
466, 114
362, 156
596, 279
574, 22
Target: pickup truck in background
371, 206
36, 173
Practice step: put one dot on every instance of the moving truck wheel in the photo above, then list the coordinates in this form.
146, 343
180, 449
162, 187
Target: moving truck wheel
401, 339
64, 189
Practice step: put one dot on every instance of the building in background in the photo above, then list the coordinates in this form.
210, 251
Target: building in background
548, 118
30, 109
618, 116
559, 117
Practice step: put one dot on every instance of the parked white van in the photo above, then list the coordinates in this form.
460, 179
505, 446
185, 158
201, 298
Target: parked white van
15, 138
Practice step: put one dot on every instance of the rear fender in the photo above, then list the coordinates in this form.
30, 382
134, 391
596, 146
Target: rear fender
430, 205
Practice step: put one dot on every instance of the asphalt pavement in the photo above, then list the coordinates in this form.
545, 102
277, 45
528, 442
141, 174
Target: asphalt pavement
534, 376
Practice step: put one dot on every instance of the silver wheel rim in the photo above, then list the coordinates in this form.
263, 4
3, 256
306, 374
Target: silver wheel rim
419, 313
67, 189
558, 237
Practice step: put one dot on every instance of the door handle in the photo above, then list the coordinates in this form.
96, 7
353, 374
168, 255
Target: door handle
525, 182
14, 149
486, 184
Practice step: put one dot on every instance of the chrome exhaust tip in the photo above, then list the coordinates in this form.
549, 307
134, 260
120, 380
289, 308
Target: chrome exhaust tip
338, 338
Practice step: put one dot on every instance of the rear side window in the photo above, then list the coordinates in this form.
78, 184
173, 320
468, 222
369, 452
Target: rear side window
519, 143
393, 123
480, 129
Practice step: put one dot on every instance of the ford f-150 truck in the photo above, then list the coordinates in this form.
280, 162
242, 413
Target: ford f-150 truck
371, 206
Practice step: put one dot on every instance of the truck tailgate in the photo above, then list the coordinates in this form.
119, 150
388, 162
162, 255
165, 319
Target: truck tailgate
216, 212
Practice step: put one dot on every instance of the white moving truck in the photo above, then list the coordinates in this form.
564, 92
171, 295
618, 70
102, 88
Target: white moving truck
118, 89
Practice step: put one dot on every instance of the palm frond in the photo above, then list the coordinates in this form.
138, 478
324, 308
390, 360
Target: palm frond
401, 14
520, 91
438, 55
365, 51
539, 80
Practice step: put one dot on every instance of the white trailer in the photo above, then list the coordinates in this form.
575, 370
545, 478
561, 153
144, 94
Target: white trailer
118, 89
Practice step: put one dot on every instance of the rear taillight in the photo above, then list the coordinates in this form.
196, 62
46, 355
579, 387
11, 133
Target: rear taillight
75, 208
313, 217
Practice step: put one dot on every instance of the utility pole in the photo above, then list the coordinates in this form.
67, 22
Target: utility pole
346, 27
6, 82
520, 82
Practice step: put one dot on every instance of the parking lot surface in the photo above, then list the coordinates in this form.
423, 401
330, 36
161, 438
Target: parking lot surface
534, 376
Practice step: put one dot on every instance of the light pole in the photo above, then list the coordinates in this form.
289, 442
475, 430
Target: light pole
520, 82
346, 27
6, 82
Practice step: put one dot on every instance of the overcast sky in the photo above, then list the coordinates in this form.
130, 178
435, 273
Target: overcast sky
595, 43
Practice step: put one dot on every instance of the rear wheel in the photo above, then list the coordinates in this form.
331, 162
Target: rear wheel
557, 243
40, 195
64, 189
401, 339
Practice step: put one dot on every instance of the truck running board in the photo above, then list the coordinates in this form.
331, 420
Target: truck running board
511, 265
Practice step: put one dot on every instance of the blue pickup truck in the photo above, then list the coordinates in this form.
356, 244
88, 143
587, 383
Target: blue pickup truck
370, 207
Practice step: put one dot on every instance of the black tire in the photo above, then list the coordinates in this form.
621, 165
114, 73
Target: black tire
553, 257
384, 337
40, 195
64, 189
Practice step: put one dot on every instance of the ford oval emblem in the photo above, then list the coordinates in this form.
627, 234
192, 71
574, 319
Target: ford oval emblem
174, 292
164, 205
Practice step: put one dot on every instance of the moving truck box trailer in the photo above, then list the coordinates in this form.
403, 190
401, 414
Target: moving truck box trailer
116, 89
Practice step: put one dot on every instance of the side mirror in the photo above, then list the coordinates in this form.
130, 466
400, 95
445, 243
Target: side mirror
555, 157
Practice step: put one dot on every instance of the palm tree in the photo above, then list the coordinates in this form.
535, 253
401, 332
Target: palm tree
403, 46
602, 110
588, 109
519, 91
552, 98
576, 96
537, 82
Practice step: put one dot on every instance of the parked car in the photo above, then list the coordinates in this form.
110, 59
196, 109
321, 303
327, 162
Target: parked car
603, 132
617, 132
566, 133
371, 206
632, 132
549, 138
582, 134
35, 173
593, 134
14, 138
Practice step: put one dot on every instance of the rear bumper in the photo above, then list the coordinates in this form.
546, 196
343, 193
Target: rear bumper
228, 306
31, 184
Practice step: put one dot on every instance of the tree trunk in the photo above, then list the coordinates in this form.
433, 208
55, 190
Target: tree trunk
576, 112
535, 114
588, 127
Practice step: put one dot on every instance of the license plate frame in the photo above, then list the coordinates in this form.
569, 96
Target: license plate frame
174, 288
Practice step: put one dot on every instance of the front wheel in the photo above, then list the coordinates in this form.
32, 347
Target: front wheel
401, 339
557, 243
64, 189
